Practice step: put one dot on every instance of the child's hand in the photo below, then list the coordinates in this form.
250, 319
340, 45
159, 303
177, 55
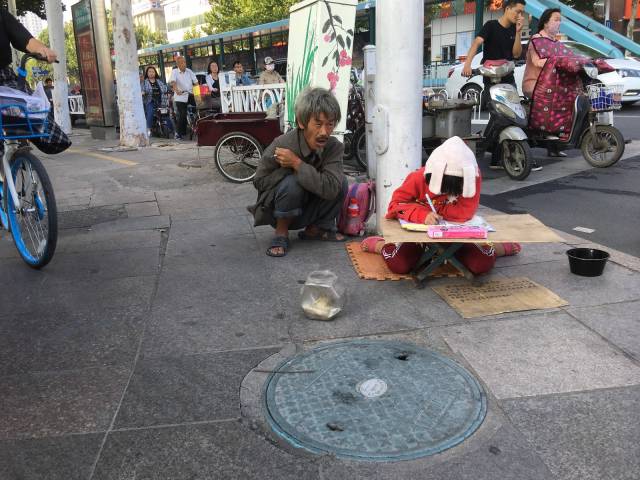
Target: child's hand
432, 219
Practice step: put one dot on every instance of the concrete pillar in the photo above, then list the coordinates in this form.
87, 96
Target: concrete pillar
57, 43
397, 129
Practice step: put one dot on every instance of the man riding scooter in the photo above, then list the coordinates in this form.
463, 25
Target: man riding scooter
501, 40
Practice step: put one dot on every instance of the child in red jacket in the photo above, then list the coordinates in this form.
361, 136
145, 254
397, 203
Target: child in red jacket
451, 178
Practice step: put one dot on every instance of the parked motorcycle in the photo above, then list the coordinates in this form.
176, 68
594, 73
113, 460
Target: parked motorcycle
505, 135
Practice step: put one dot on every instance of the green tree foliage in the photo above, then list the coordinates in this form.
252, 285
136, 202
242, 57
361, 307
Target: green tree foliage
24, 6
70, 51
193, 32
228, 15
146, 38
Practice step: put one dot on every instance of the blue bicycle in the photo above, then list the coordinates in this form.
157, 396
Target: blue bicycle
27, 203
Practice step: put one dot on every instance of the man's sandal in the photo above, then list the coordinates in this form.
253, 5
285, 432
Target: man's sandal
278, 242
322, 236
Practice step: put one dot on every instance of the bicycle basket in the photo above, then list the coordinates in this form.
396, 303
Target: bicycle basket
16, 122
605, 98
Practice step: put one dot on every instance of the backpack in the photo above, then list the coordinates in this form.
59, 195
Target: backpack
359, 204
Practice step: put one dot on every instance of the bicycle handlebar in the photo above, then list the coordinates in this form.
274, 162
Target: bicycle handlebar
27, 56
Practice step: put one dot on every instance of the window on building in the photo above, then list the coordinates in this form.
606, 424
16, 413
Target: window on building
448, 54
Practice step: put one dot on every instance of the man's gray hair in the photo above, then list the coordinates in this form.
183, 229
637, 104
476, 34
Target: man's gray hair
312, 102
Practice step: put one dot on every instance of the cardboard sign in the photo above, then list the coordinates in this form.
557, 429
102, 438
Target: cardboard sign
498, 296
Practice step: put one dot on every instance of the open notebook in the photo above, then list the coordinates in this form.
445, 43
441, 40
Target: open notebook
476, 221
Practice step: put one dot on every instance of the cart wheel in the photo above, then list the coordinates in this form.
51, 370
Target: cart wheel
237, 155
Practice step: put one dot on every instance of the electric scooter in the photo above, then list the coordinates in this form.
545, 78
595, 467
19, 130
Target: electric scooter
592, 129
505, 135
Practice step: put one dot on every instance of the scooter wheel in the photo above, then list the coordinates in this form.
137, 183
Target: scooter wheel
515, 156
604, 148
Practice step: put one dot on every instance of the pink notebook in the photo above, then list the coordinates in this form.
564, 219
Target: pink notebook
456, 231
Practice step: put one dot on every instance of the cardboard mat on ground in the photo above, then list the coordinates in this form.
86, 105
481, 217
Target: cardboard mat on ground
498, 296
509, 228
371, 266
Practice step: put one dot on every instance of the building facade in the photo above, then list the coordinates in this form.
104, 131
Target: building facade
149, 13
182, 15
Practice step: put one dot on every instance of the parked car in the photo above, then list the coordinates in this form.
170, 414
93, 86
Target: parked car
627, 73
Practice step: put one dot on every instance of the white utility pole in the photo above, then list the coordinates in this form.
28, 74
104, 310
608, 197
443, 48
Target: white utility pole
133, 126
398, 90
60, 96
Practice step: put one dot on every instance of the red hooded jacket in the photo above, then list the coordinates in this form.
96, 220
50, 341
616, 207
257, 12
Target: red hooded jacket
409, 202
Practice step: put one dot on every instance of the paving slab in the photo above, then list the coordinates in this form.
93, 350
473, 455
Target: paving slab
84, 218
56, 341
58, 458
617, 284
503, 455
225, 450
540, 354
69, 267
54, 404
583, 436
125, 195
84, 241
81, 296
618, 323
205, 329
215, 285
185, 389
142, 209
130, 224
208, 246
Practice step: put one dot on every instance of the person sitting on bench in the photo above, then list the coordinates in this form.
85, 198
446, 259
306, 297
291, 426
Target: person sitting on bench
451, 178
300, 181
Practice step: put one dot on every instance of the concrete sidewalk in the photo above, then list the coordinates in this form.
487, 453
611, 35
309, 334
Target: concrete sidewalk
132, 354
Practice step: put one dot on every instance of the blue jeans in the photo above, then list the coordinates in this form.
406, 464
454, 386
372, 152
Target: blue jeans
149, 110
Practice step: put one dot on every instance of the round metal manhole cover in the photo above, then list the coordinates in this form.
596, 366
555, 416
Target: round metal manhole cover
373, 400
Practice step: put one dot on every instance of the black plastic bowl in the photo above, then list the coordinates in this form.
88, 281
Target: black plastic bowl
588, 262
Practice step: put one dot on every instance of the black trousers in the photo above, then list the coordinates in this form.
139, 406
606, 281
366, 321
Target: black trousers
293, 201
181, 118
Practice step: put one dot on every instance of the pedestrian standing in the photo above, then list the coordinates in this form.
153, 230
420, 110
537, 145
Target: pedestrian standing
182, 81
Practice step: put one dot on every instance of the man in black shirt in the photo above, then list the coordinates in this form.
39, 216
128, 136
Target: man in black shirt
12, 33
500, 40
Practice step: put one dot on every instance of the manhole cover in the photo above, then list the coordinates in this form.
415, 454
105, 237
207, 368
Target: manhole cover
373, 400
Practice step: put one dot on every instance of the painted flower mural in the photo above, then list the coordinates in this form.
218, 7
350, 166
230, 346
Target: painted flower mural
341, 39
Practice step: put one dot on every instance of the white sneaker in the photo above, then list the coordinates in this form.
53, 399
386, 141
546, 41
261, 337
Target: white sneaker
149, 132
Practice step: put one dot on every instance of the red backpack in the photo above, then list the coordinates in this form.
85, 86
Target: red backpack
359, 204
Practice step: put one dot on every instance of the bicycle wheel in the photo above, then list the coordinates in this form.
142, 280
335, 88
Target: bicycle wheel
359, 147
34, 225
237, 155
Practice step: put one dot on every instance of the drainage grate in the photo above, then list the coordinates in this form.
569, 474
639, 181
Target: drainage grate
373, 400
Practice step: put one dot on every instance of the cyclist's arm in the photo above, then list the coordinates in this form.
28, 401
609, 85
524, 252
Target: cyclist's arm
39, 48
18, 35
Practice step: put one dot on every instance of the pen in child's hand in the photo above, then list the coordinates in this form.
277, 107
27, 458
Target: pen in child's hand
433, 209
